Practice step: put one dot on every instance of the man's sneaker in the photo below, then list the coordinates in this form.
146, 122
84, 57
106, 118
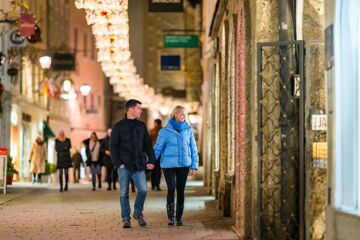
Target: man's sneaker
140, 219
126, 223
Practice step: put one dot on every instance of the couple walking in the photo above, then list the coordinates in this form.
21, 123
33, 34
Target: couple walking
129, 142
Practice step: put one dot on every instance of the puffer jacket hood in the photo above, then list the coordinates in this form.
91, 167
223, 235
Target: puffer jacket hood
177, 149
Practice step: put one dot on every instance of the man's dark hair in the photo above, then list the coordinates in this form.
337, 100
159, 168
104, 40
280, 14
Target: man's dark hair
131, 103
158, 122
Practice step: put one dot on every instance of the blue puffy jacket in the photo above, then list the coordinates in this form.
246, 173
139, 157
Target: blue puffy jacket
177, 149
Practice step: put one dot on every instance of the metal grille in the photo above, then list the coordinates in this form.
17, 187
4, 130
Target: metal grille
281, 140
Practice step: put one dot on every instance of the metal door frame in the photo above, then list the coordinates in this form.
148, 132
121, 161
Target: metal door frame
301, 139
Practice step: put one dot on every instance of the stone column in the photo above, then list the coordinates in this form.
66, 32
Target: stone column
313, 25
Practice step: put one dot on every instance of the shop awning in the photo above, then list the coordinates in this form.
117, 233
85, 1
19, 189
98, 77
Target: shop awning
48, 133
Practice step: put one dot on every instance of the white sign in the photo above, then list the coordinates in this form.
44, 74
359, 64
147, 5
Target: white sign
319, 122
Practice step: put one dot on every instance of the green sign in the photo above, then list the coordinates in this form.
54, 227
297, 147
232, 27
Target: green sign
181, 41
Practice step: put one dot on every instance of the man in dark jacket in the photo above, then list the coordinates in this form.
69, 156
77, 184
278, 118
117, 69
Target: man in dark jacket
129, 142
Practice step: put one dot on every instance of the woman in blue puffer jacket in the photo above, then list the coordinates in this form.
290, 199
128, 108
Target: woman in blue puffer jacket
177, 147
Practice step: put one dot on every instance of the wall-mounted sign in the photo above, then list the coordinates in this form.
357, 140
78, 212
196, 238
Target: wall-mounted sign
320, 155
36, 36
166, 6
319, 122
26, 24
63, 62
181, 41
170, 63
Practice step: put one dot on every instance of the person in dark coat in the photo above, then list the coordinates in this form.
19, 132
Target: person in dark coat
77, 162
62, 147
129, 142
156, 172
111, 172
94, 158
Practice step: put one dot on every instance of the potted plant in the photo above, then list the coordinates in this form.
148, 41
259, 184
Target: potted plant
50, 168
10, 171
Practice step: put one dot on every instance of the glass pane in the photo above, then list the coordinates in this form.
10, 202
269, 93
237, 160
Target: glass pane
347, 106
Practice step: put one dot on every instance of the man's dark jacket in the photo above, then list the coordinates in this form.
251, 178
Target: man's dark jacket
129, 142
105, 146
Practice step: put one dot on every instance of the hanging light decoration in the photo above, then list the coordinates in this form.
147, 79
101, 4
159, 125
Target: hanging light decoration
110, 26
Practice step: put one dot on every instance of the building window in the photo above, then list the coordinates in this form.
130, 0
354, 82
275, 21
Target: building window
75, 39
85, 45
93, 49
347, 106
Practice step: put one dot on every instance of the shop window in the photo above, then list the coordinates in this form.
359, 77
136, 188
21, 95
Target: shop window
347, 106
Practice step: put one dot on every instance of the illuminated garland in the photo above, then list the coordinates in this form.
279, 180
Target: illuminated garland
110, 26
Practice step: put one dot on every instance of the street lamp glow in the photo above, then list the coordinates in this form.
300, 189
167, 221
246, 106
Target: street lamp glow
45, 62
67, 85
85, 89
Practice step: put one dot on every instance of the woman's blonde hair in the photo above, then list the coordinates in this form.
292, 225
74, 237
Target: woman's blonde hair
176, 110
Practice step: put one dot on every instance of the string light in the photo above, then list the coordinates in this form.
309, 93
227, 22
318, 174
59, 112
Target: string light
110, 26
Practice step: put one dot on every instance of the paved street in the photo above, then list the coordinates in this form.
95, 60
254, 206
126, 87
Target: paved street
41, 212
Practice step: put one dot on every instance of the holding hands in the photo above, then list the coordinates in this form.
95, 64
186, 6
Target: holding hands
150, 166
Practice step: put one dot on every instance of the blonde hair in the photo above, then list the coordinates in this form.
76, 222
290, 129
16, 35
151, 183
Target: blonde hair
176, 110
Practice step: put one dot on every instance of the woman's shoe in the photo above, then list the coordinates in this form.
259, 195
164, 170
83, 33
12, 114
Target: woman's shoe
179, 222
170, 213
179, 213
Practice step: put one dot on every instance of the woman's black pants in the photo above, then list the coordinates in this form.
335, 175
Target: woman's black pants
64, 171
111, 176
176, 179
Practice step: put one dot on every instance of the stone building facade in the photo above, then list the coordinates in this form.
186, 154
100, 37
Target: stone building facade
232, 33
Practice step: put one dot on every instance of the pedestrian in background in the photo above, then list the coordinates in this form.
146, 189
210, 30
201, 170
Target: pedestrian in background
93, 158
37, 159
62, 147
111, 172
77, 162
129, 142
156, 172
177, 147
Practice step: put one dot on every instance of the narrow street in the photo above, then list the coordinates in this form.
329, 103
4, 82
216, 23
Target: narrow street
41, 212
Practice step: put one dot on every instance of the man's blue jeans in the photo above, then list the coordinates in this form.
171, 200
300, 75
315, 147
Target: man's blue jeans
139, 179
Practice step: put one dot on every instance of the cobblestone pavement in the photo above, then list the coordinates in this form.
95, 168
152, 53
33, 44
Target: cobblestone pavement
41, 212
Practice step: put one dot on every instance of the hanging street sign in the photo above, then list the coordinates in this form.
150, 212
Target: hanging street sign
166, 6
26, 24
63, 62
181, 41
170, 63
16, 40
